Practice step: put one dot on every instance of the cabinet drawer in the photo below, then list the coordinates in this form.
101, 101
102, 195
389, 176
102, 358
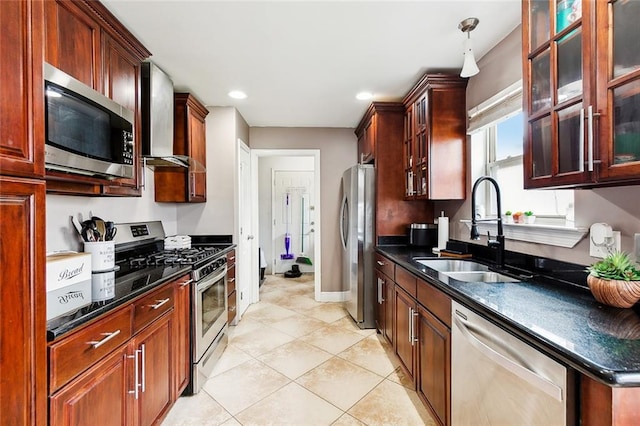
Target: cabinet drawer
231, 258
151, 307
231, 284
385, 266
406, 280
435, 301
231, 304
79, 351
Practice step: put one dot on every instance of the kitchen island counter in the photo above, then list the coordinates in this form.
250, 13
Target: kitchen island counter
560, 318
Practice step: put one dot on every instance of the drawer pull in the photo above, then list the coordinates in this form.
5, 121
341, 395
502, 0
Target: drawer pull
231, 259
232, 309
186, 283
380, 263
108, 336
160, 303
232, 279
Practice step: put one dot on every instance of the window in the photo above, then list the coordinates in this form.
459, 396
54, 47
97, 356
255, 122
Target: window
497, 150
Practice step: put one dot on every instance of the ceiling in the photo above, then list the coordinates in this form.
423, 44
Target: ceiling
301, 63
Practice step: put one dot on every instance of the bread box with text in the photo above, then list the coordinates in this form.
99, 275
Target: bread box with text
68, 283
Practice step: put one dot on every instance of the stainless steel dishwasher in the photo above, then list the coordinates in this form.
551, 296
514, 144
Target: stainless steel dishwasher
497, 379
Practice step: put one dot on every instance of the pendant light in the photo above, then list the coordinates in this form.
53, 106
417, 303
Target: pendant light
469, 67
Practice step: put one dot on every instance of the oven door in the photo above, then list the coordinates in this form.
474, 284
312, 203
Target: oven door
210, 310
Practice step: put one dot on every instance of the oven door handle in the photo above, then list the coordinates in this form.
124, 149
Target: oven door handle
209, 281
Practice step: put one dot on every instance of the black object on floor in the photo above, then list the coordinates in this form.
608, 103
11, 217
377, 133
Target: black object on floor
294, 272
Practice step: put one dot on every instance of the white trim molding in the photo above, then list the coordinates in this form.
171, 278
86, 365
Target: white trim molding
332, 296
553, 235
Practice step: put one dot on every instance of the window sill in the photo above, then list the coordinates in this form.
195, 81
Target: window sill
554, 235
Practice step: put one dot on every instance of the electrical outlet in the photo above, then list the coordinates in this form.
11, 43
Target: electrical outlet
602, 251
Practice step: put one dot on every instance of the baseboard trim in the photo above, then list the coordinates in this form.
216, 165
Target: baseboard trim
332, 296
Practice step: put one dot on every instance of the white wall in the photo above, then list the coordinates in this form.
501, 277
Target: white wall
266, 165
62, 236
217, 215
338, 151
618, 206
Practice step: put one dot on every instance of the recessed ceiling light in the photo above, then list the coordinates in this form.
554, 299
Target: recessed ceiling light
237, 94
364, 96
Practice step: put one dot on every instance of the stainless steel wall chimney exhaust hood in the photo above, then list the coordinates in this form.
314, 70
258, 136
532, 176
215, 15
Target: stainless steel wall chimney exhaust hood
157, 119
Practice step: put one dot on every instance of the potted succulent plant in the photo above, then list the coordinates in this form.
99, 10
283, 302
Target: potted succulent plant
507, 217
529, 217
615, 280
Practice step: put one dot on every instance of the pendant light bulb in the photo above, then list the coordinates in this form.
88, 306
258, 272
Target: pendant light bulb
469, 66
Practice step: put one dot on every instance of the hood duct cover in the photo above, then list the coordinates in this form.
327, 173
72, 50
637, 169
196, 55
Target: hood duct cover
157, 119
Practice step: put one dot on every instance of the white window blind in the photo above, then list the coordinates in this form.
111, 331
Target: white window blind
499, 106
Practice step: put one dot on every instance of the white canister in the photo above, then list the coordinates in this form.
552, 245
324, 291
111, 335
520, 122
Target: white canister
103, 256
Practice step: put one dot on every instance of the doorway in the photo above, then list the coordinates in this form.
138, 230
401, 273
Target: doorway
270, 207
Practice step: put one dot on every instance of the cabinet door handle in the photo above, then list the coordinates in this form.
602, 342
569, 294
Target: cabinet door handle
583, 154
232, 280
186, 283
193, 184
380, 263
142, 363
411, 326
590, 138
231, 259
108, 336
160, 303
136, 385
379, 291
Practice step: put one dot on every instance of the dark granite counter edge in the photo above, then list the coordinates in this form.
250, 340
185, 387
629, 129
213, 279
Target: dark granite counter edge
607, 377
57, 332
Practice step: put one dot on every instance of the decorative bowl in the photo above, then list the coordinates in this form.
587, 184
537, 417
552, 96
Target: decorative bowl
616, 293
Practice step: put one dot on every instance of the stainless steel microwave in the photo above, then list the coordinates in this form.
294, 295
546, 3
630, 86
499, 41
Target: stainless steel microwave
86, 132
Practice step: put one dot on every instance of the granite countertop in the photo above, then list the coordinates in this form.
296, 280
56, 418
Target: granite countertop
560, 318
125, 289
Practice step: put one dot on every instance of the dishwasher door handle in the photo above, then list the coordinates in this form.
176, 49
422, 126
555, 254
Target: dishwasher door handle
524, 373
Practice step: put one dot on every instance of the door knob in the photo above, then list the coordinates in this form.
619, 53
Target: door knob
249, 237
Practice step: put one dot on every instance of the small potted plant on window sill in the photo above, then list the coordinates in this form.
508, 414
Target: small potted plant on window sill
508, 218
615, 280
529, 217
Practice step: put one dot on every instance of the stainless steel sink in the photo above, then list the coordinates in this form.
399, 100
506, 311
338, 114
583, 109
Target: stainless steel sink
452, 265
483, 276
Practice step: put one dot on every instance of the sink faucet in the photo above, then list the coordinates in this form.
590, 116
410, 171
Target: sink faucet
498, 243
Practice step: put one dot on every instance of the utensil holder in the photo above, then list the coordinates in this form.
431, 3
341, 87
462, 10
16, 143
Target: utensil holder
103, 256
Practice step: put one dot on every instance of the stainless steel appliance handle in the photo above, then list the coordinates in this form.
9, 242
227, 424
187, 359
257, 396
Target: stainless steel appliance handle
186, 283
343, 237
160, 303
209, 281
108, 336
521, 371
143, 362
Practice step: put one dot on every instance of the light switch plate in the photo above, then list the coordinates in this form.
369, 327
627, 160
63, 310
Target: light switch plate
602, 251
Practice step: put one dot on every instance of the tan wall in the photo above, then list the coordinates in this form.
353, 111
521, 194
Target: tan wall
338, 152
618, 207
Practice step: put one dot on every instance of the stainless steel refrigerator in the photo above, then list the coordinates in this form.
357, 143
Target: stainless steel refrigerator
357, 218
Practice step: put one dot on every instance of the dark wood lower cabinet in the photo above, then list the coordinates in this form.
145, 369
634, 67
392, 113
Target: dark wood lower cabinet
404, 320
153, 347
98, 396
182, 335
434, 365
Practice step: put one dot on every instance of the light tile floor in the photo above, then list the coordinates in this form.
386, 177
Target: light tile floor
294, 361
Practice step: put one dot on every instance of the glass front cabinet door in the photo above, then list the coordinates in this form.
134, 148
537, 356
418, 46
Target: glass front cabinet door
582, 92
618, 44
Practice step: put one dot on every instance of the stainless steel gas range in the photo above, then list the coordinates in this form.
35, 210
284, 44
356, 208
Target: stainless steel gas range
141, 245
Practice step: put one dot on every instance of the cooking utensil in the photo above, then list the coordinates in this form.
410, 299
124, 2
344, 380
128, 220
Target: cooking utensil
100, 228
76, 226
111, 231
90, 231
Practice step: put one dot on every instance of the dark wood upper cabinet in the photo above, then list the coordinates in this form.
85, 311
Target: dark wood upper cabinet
581, 71
83, 39
185, 185
21, 106
435, 138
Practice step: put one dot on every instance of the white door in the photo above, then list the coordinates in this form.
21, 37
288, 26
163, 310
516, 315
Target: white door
293, 220
246, 249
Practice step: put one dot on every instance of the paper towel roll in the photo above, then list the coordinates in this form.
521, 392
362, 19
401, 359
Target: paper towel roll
443, 232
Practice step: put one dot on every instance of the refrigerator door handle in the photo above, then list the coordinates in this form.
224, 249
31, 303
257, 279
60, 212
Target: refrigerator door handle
343, 207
